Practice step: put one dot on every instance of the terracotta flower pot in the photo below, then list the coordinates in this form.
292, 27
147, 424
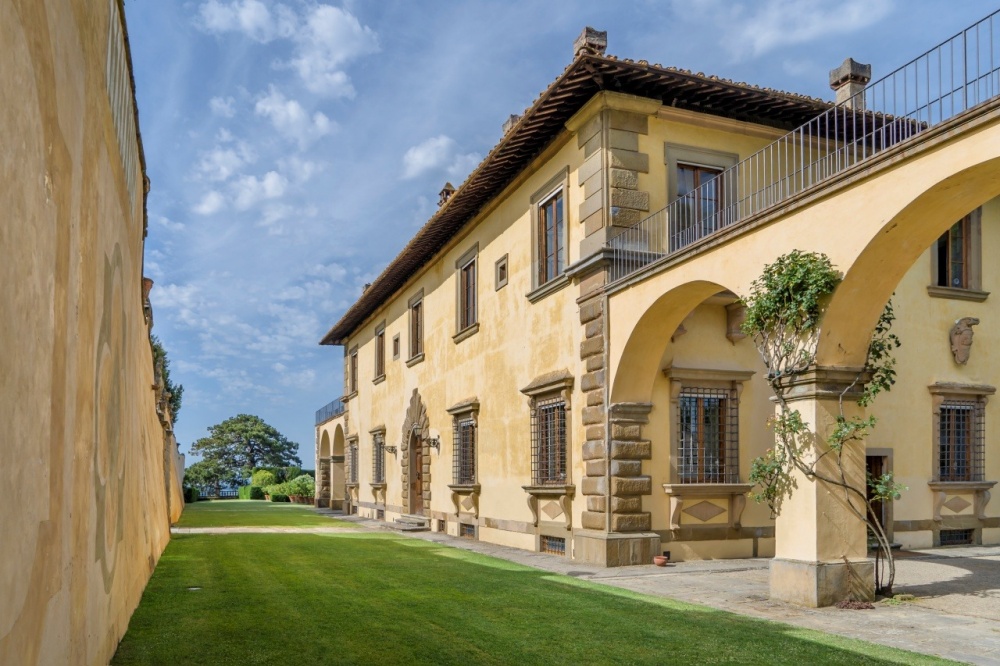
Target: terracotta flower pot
660, 560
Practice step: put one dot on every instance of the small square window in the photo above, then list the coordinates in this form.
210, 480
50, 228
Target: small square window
466, 531
395, 347
552, 545
501, 272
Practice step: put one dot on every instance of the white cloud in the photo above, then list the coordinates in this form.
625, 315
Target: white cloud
291, 119
751, 29
250, 190
219, 164
167, 224
251, 17
225, 107
439, 152
329, 39
325, 38
212, 202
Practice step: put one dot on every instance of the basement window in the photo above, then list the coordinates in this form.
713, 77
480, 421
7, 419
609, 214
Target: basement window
552, 545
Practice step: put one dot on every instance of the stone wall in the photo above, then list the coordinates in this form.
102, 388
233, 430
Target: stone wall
90, 475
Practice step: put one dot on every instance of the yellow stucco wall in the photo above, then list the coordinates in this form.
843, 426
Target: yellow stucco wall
84, 452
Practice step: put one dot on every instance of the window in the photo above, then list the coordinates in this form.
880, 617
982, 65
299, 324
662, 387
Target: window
417, 326
380, 352
699, 215
353, 372
548, 440
952, 251
956, 261
957, 537
501, 272
466, 531
352, 462
395, 346
708, 421
551, 241
960, 441
552, 545
378, 458
464, 453
466, 297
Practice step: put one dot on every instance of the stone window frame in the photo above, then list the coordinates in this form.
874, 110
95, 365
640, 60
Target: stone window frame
469, 258
462, 412
379, 354
353, 461
973, 290
555, 185
941, 394
679, 491
552, 386
378, 456
501, 272
416, 325
675, 154
396, 346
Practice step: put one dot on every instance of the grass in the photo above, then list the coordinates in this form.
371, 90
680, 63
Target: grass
369, 598
254, 513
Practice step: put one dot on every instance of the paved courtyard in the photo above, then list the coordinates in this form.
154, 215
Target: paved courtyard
956, 613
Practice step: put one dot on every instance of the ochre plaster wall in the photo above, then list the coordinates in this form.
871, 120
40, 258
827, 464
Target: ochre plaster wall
85, 467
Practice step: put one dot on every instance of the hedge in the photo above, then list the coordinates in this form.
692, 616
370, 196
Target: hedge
279, 498
190, 495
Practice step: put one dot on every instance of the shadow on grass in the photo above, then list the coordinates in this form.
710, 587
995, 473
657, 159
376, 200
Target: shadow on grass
381, 598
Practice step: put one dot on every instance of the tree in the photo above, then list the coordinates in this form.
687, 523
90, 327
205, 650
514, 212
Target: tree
245, 442
176, 391
784, 311
208, 474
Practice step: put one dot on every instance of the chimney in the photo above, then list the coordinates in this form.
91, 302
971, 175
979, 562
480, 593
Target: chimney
510, 122
591, 42
849, 80
445, 193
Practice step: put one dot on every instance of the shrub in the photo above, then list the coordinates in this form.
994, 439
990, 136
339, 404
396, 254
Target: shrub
278, 497
289, 473
303, 485
256, 493
190, 495
244, 492
263, 478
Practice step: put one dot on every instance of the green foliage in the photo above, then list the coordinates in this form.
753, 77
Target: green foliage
256, 493
263, 478
881, 362
244, 443
289, 473
790, 293
278, 497
176, 391
303, 485
885, 488
243, 492
190, 495
855, 429
208, 475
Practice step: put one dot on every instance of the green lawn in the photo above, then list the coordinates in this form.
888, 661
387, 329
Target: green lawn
374, 598
254, 513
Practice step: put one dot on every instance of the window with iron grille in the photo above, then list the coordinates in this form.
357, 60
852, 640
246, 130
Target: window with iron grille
352, 463
464, 450
552, 545
378, 459
708, 422
466, 531
380, 514
956, 537
961, 441
548, 442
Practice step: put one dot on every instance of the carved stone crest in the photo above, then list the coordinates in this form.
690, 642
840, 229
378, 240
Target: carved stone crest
961, 339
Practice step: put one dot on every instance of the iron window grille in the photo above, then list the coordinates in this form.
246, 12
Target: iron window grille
548, 440
352, 463
464, 451
466, 531
378, 459
957, 537
552, 545
380, 514
962, 441
708, 420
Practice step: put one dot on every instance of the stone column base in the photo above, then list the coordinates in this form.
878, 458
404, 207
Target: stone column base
817, 584
615, 550
322, 503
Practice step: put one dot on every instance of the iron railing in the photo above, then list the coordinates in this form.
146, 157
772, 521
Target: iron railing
329, 410
960, 73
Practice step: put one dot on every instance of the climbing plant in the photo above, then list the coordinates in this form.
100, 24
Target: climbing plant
784, 310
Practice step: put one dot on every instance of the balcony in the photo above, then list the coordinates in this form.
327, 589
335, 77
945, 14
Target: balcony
329, 411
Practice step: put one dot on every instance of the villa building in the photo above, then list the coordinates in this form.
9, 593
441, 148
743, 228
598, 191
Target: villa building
552, 364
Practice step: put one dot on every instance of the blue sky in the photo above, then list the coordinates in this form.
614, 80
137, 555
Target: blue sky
294, 147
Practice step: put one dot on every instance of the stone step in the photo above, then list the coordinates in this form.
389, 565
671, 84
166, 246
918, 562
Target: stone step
411, 524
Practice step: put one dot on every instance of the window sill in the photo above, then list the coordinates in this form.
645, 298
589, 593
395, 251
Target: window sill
975, 295
350, 396
550, 287
980, 495
378, 380
735, 493
465, 333
563, 492
414, 360
378, 486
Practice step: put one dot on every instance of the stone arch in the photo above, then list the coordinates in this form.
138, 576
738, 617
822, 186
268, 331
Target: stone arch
893, 249
639, 364
323, 490
416, 415
338, 475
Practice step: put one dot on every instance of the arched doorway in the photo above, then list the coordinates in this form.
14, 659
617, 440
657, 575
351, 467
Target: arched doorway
338, 478
416, 457
323, 469
416, 474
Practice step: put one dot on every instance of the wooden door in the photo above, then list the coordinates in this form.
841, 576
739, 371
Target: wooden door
416, 475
